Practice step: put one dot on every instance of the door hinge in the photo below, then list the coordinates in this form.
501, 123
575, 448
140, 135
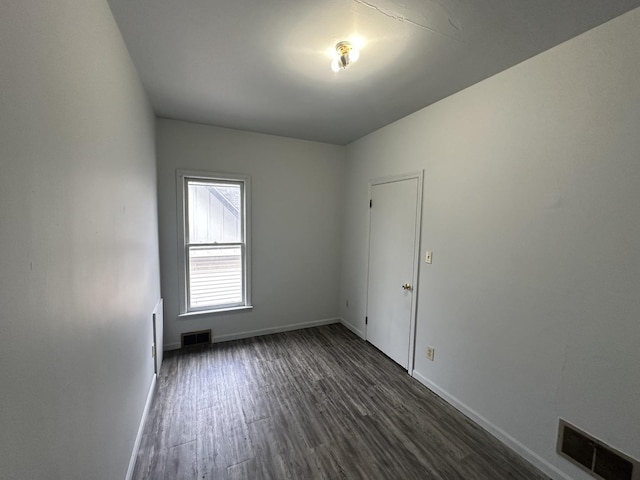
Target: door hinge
366, 320
370, 203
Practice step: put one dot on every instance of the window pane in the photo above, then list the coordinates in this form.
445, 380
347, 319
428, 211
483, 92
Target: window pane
214, 212
215, 276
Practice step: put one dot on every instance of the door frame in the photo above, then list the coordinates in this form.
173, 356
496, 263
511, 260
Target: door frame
419, 175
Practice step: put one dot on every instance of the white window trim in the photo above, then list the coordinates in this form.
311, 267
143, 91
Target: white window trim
181, 176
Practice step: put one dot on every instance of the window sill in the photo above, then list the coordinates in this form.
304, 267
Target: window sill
203, 313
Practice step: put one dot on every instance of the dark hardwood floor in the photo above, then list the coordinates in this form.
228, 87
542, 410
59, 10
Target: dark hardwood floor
311, 404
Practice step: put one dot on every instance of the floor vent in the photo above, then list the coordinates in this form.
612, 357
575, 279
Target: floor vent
595, 457
190, 339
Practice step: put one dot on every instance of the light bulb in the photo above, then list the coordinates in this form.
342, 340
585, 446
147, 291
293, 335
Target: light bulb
346, 54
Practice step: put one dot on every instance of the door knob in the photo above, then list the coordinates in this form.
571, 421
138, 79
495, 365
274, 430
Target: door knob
406, 286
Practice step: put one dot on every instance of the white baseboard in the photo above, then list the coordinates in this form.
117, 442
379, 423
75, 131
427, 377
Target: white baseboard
525, 452
264, 331
136, 444
171, 346
269, 331
351, 327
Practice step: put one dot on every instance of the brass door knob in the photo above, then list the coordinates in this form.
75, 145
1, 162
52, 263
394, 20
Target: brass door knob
406, 286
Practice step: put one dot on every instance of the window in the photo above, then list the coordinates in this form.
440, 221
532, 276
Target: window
214, 240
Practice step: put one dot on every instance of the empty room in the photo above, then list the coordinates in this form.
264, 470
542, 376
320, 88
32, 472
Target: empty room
320, 240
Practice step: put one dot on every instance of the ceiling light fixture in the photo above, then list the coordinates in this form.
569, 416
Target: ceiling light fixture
346, 53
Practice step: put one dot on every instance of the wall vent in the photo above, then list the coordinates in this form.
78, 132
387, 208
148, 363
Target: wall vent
190, 339
594, 456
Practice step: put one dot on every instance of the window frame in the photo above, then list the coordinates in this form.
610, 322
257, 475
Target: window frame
182, 177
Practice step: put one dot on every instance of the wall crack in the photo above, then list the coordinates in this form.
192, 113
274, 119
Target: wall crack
401, 18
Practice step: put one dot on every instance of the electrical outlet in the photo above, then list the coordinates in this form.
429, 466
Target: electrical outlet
431, 352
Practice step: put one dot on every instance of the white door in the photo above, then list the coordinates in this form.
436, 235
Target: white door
392, 254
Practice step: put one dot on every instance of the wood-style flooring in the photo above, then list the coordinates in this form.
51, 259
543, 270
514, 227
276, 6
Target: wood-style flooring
318, 403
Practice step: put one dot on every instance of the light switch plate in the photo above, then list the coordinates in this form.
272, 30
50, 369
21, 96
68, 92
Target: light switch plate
428, 257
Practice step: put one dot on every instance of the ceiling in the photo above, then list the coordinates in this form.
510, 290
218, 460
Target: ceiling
264, 66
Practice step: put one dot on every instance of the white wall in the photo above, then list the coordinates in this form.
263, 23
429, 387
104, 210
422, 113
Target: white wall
79, 272
532, 210
296, 220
